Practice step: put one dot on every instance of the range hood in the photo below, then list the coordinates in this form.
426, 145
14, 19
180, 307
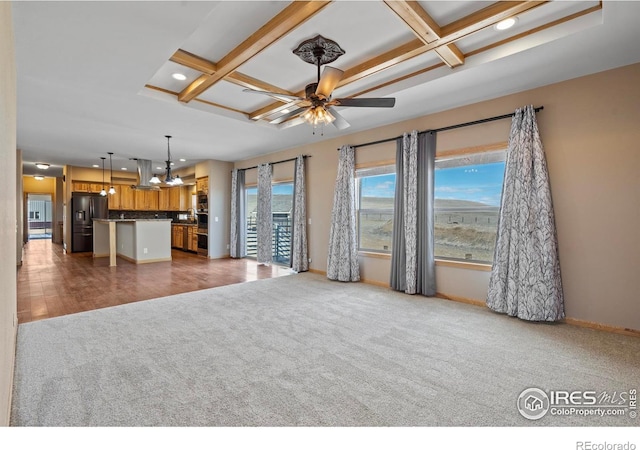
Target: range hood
145, 174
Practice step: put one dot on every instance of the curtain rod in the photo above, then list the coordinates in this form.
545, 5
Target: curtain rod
277, 162
450, 127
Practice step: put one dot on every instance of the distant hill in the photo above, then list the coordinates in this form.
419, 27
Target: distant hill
387, 203
451, 203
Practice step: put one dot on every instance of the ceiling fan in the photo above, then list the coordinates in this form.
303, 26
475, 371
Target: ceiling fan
317, 107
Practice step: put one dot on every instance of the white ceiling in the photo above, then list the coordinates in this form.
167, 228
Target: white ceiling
82, 68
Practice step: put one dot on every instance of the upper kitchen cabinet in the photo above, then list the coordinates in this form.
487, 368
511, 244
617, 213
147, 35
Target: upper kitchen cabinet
202, 185
114, 199
145, 200
176, 199
127, 197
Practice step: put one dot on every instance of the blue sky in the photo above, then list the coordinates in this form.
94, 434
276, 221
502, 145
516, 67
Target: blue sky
479, 183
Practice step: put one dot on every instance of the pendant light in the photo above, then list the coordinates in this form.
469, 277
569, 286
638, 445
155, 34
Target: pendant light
112, 190
103, 192
168, 178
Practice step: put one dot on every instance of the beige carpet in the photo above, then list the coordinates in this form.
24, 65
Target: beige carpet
302, 350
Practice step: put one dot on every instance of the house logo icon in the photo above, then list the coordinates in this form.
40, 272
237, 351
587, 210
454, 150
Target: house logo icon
533, 403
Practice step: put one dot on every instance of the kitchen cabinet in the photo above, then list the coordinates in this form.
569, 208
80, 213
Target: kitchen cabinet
202, 185
163, 199
192, 239
177, 236
83, 186
114, 199
176, 199
184, 237
127, 197
145, 200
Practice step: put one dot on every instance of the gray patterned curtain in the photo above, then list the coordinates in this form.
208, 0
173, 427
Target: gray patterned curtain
299, 252
412, 257
238, 244
342, 261
264, 217
525, 279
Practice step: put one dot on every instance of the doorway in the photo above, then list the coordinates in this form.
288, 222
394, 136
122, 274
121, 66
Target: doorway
39, 216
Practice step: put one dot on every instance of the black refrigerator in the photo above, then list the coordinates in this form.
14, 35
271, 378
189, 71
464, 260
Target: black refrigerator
85, 208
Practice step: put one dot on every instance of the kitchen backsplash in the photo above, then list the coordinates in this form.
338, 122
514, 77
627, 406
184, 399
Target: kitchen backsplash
174, 215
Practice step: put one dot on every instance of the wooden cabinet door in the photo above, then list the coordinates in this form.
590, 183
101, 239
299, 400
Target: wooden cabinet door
163, 199
139, 200
127, 197
179, 235
79, 186
151, 200
95, 188
114, 199
175, 199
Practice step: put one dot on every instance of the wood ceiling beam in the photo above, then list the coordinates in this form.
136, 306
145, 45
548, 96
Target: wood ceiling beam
194, 62
207, 67
426, 29
284, 22
450, 33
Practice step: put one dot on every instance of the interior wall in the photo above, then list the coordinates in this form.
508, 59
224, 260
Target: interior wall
8, 204
589, 129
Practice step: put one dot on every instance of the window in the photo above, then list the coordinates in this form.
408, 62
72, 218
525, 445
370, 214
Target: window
375, 196
467, 202
281, 210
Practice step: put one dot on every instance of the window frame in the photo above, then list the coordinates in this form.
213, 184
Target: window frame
461, 152
380, 168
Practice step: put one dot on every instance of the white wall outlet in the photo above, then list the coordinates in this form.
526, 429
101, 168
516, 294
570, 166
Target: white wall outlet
309, 220
216, 219
145, 251
227, 246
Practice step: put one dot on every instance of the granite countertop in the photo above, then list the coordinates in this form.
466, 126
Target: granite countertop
132, 220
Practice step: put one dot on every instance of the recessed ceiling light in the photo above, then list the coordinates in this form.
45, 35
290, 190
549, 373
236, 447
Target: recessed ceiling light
39, 177
43, 166
182, 160
506, 23
285, 111
95, 165
179, 76
159, 168
124, 168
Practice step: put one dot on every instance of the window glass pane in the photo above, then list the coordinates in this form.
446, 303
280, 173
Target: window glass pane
282, 210
467, 202
375, 211
251, 205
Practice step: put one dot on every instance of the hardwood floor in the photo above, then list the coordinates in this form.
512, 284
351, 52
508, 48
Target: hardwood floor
52, 283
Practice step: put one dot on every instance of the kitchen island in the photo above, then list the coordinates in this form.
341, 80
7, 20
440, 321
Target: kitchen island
136, 240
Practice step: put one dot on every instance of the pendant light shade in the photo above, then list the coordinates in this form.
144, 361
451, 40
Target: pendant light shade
112, 190
103, 192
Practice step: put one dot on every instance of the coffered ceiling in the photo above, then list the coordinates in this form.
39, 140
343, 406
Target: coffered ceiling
95, 77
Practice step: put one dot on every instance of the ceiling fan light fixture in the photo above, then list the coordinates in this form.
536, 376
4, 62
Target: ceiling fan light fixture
318, 116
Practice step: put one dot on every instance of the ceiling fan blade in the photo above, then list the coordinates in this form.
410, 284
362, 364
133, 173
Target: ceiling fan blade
281, 97
340, 123
288, 115
328, 81
366, 102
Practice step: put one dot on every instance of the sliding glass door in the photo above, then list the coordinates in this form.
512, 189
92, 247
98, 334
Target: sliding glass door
281, 210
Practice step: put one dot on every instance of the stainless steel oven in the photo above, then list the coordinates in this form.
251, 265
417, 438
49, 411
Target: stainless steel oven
203, 222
